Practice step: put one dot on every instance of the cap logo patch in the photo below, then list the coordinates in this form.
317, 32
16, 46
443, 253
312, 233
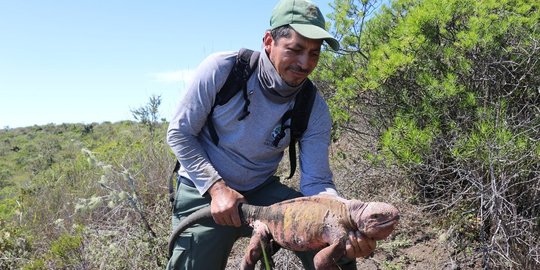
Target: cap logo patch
312, 12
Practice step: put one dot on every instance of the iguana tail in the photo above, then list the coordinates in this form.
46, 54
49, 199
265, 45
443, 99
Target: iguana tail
245, 210
195, 217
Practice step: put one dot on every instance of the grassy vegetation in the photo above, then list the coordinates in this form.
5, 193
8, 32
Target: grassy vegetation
79, 196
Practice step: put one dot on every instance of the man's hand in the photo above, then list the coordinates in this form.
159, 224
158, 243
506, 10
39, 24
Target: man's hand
224, 204
358, 245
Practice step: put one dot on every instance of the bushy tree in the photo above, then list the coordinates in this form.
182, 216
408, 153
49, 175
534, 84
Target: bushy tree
149, 113
452, 89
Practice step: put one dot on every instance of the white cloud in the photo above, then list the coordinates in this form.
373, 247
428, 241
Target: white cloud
183, 75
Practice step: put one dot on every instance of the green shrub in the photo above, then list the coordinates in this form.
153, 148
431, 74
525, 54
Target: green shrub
65, 251
451, 89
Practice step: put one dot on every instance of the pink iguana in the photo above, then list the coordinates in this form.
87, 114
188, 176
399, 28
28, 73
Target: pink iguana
307, 223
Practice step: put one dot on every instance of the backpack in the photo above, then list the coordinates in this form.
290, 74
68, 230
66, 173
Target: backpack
246, 62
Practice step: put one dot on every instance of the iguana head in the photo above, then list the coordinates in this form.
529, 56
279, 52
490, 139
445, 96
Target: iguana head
376, 220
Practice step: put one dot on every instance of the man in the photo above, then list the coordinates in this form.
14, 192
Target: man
241, 167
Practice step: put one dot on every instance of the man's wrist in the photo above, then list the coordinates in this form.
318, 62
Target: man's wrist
216, 187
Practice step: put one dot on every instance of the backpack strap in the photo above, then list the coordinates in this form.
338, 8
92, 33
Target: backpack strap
299, 119
245, 64
171, 183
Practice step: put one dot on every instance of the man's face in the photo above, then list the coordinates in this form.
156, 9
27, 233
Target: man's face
294, 57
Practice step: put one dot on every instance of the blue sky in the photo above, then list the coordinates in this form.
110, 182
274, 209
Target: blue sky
88, 61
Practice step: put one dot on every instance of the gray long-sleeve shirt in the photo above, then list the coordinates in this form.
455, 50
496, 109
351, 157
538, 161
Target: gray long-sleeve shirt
245, 156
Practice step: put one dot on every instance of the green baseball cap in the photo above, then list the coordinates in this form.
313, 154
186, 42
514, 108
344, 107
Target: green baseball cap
304, 17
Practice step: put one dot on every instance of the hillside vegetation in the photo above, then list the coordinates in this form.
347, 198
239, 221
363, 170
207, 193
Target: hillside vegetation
79, 196
436, 108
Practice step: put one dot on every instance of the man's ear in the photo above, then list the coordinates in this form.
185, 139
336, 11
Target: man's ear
267, 41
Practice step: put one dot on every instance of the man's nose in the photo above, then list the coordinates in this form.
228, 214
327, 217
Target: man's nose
303, 61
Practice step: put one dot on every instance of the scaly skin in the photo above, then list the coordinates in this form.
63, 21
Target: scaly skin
307, 223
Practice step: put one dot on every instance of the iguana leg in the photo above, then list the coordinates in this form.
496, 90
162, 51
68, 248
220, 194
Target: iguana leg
327, 257
261, 236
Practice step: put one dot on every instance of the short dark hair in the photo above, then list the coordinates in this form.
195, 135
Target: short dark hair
280, 32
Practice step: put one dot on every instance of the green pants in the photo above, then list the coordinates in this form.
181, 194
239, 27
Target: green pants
208, 245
